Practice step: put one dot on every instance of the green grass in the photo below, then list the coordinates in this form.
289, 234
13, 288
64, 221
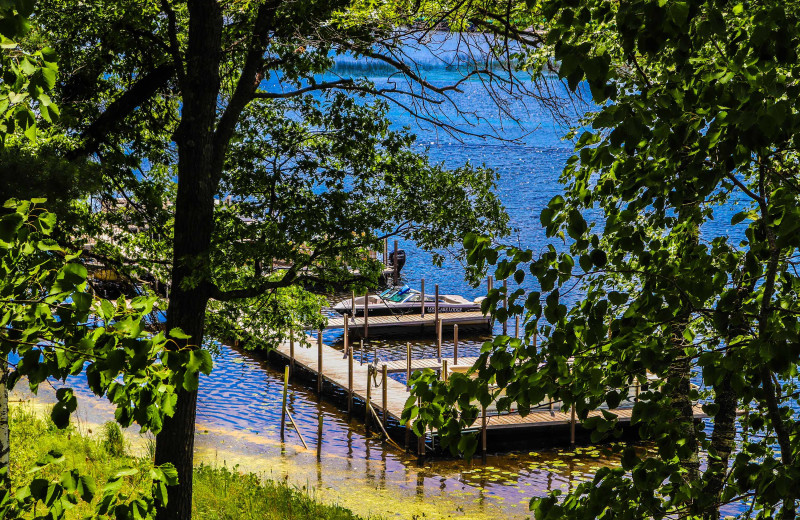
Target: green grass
219, 492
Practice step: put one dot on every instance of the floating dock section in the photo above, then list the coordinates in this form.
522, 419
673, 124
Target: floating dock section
371, 385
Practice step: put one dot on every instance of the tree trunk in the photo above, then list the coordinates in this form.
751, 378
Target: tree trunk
679, 383
194, 223
722, 442
5, 434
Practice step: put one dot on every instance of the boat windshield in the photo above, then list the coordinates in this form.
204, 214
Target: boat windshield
397, 294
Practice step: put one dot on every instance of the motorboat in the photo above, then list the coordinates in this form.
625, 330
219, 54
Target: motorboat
405, 300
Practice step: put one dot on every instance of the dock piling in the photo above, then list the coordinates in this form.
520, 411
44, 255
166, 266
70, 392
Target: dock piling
385, 401
444, 370
572, 427
516, 327
408, 367
283, 405
439, 339
350, 382
362, 351
455, 344
436, 303
319, 436
346, 334
385, 251
319, 363
353, 306
422, 298
366, 314
367, 417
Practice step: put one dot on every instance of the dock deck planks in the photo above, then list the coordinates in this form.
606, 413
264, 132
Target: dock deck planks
334, 368
412, 320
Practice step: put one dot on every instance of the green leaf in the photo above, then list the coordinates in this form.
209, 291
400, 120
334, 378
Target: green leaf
199, 360
178, 333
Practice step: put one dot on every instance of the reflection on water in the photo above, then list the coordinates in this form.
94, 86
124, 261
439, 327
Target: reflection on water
239, 414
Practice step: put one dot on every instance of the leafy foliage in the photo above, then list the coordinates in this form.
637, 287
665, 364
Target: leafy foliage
695, 115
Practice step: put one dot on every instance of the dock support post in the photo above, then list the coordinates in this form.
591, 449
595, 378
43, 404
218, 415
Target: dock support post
422, 298
516, 327
366, 314
367, 417
362, 351
444, 370
346, 334
572, 428
386, 251
408, 367
483, 434
439, 338
505, 307
319, 363
291, 350
283, 405
319, 436
385, 400
353, 306
395, 270
350, 382
436, 303
455, 344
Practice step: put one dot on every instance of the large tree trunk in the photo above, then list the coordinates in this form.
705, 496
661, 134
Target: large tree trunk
194, 223
5, 434
722, 442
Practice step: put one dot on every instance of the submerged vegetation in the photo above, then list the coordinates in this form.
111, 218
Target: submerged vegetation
219, 492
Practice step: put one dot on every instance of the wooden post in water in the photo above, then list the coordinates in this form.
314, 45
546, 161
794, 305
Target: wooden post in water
385, 400
283, 406
362, 351
444, 370
572, 428
319, 363
366, 314
319, 437
455, 344
439, 338
353, 306
516, 327
386, 251
350, 382
367, 417
436, 303
395, 266
422, 298
408, 367
505, 307
346, 333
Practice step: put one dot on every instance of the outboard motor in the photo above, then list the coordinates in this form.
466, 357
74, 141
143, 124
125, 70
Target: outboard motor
401, 259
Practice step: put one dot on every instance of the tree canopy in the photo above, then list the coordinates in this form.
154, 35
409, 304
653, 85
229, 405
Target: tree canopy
695, 115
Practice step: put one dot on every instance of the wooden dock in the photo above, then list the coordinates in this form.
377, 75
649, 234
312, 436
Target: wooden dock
406, 321
390, 403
